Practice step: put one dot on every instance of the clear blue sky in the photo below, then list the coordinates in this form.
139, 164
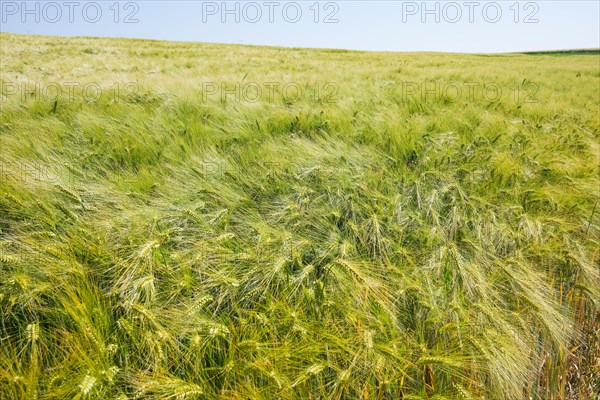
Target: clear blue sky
461, 26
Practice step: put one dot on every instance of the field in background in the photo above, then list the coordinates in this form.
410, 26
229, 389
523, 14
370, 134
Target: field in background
200, 221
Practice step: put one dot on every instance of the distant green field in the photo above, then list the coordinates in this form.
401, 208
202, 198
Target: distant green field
201, 221
566, 52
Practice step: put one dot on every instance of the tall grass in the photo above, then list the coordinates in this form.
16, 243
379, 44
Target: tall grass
160, 244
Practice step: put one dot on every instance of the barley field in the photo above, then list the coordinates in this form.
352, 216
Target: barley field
201, 221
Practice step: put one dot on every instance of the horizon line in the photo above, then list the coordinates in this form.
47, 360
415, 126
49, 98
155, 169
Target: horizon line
584, 50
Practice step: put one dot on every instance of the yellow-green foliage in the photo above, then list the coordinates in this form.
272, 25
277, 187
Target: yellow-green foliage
359, 240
